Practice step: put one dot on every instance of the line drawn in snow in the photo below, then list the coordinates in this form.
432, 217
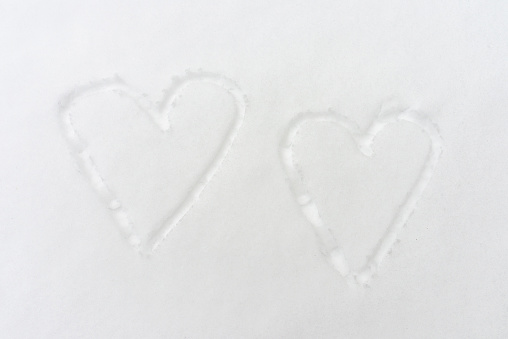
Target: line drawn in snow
332, 248
160, 113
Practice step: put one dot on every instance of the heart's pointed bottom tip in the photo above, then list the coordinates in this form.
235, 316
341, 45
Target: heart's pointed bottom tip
135, 242
145, 251
339, 262
351, 280
363, 278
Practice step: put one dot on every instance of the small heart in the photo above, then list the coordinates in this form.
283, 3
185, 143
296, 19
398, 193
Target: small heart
332, 248
160, 114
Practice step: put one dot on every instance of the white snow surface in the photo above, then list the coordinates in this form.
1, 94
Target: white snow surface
267, 169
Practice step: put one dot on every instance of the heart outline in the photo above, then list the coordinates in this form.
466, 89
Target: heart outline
331, 248
160, 114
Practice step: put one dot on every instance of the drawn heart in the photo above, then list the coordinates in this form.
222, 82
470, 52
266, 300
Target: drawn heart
160, 114
363, 140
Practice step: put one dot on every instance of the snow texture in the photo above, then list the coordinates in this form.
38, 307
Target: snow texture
267, 169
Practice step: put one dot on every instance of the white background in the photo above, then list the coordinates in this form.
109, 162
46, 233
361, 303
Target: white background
244, 263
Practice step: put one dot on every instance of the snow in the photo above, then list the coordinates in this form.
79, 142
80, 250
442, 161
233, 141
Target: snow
310, 169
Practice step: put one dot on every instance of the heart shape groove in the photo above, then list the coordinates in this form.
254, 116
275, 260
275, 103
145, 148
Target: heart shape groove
160, 113
331, 248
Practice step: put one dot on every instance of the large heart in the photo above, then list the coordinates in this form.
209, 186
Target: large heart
160, 114
363, 140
